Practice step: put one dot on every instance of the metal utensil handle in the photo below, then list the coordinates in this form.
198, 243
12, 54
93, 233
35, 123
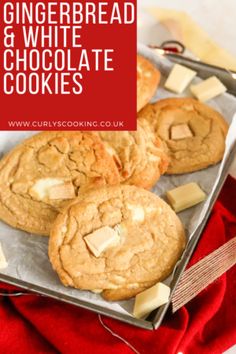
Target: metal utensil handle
204, 70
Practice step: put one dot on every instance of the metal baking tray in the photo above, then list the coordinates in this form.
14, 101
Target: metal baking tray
154, 320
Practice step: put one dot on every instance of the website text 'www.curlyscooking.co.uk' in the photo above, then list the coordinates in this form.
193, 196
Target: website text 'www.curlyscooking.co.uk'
86, 124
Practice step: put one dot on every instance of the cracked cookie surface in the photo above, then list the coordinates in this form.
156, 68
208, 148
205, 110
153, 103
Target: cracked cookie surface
151, 240
148, 78
139, 155
193, 134
40, 175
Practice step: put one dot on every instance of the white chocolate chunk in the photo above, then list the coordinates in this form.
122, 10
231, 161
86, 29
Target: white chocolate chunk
101, 239
64, 229
112, 286
180, 131
113, 154
185, 196
148, 74
179, 78
119, 229
3, 262
133, 286
150, 209
97, 291
137, 212
139, 69
150, 299
208, 89
62, 191
119, 279
152, 157
41, 187
109, 149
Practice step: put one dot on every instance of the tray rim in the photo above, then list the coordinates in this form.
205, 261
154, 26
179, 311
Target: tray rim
159, 313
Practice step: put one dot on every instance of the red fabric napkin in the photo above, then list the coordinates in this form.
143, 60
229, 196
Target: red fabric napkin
36, 324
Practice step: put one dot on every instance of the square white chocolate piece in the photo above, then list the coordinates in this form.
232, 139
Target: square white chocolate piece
137, 212
41, 187
150, 299
208, 89
3, 262
101, 239
179, 78
52, 188
181, 131
152, 157
185, 196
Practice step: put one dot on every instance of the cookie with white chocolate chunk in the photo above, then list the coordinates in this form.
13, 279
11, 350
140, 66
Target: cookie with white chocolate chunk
148, 78
193, 134
43, 173
139, 155
119, 240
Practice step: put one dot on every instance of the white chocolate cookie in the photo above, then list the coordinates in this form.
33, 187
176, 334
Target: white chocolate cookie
148, 78
139, 155
193, 134
148, 242
43, 173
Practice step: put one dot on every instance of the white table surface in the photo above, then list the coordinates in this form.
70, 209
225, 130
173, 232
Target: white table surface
208, 14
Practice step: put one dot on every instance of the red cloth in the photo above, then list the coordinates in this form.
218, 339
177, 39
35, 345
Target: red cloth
34, 324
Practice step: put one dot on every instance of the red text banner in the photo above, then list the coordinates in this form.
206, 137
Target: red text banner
68, 65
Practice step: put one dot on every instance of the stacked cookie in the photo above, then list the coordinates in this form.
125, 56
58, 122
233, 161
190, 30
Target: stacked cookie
139, 155
147, 240
148, 78
40, 176
192, 133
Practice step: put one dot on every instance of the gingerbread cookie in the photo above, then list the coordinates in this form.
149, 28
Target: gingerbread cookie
148, 78
117, 240
139, 155
193, 133
43, 173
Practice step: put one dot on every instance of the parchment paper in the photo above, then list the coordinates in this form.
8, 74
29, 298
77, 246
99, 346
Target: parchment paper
27, 254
